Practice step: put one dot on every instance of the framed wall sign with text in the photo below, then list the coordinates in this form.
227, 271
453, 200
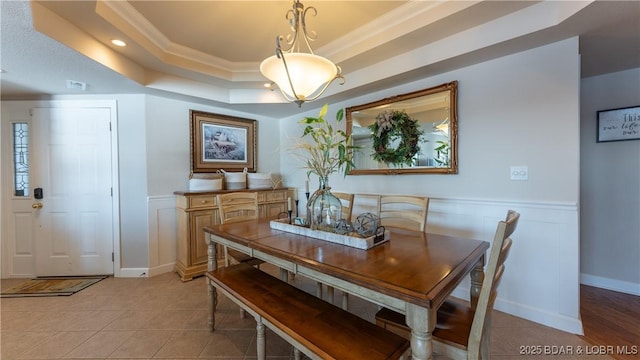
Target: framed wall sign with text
222, 142
619, 124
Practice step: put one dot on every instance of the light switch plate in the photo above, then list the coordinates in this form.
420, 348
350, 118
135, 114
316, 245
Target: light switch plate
519, 173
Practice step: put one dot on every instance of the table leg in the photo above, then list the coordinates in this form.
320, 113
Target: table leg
260, 340
422, 321
477, 277
212, 263
213, 294
213, 303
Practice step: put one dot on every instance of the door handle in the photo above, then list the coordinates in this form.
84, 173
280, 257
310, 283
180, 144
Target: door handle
37, 205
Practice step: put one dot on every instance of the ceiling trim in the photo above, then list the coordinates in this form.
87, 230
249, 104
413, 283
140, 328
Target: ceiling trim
124, 17
518, 24
54, 26
396, 23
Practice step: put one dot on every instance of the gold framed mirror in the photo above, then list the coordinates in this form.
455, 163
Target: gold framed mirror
407, 134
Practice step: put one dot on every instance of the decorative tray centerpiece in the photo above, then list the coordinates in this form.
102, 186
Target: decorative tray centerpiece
352, 239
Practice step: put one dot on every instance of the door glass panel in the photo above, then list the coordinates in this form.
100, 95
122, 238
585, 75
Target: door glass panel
21, 159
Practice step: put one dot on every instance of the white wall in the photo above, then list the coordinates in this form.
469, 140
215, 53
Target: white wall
521, 109
610, 188
516, 110
133, 187
167, 143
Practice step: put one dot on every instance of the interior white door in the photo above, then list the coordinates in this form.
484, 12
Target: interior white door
72, 166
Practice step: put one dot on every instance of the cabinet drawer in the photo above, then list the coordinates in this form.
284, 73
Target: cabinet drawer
204, 201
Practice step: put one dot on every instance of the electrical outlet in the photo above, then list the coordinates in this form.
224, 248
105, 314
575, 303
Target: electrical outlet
519, 173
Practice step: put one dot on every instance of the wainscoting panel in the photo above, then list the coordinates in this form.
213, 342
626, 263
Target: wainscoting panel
541, 281
542, 277
163, 238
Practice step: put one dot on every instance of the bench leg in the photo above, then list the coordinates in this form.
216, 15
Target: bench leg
330, 294
296, 354
213, 303
319, 291
212, 264
260, 340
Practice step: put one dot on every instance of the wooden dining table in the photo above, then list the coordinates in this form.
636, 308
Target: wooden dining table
412, 273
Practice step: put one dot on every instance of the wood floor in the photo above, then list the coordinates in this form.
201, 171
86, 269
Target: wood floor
611, 319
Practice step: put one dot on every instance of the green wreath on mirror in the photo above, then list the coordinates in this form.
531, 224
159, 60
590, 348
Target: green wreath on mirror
389, 127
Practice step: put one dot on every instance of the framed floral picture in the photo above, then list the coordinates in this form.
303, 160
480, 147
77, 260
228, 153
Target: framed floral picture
222, 142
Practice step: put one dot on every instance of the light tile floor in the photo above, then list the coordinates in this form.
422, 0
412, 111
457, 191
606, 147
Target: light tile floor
164, 318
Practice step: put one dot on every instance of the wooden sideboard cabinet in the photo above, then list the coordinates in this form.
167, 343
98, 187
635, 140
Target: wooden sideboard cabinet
196, 210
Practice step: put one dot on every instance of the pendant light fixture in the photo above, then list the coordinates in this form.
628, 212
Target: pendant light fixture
300, 76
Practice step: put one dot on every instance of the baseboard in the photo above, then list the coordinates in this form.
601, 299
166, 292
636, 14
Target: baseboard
162, 269
610, 284
554, 320
540, 316
134, 272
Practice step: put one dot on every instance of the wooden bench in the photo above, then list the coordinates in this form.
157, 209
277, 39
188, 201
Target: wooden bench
317, 328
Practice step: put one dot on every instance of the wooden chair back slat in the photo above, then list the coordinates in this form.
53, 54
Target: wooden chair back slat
403, 211
347, 203
478, 337
237, 206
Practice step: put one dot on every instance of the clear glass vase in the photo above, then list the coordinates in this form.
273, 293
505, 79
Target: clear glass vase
324, 209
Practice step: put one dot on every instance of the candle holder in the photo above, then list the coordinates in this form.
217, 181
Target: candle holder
290, 219
297, 201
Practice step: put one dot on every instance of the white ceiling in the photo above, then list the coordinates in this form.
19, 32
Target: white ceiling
210, 51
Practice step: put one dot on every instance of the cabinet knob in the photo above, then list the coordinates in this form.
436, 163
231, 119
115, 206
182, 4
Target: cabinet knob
203, 201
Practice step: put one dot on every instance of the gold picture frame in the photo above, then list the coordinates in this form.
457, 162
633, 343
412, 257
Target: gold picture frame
436, 110
222, 142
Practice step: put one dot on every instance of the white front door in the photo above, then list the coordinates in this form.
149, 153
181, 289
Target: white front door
71, 163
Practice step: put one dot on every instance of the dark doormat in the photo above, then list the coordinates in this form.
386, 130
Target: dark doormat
52, 286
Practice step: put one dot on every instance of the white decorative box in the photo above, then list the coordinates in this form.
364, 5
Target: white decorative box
353, 240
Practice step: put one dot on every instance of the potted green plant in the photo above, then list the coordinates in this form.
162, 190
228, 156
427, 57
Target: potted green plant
330, 150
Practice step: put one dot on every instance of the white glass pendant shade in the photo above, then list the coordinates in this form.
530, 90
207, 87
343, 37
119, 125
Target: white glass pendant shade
308, 72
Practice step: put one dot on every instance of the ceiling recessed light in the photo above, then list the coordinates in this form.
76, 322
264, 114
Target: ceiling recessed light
117, 42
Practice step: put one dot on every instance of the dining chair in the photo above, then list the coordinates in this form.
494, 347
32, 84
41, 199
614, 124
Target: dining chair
462, 332
235, 207
365, 203
347, 203
403, 211
347, 210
